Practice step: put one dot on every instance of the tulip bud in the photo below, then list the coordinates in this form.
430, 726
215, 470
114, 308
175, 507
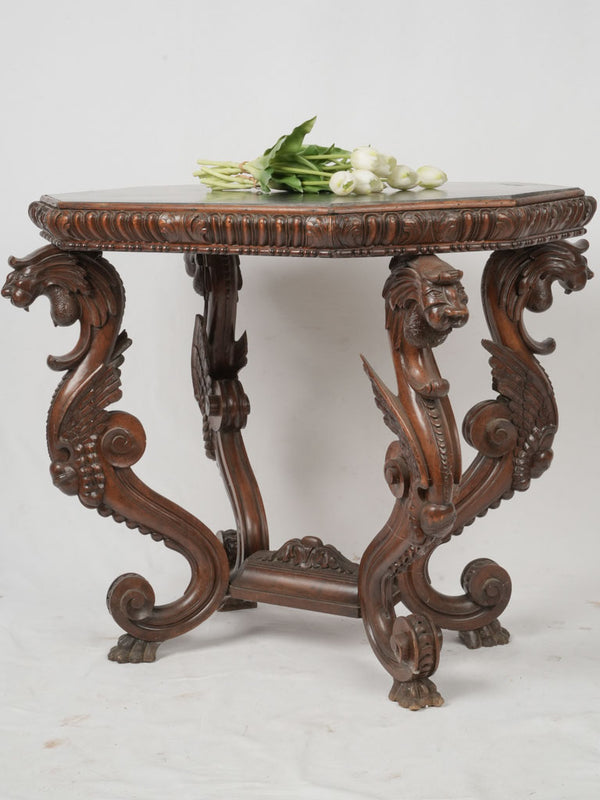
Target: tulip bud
364, 158
431, 177
366, 182
384, 165
342, 182
403, 177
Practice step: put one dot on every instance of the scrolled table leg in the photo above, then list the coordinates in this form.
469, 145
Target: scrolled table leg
92, 449
512, 433
424, 302
217, 358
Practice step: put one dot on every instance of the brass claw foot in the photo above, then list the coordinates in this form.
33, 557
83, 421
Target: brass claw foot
131, 650
486, 636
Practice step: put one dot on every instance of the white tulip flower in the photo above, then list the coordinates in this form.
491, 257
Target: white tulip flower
372, 160
384, 165
366, 182
342, 182
364, 158
431, 177
403, 177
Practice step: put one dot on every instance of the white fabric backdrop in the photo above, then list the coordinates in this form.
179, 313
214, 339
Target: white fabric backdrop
275, 702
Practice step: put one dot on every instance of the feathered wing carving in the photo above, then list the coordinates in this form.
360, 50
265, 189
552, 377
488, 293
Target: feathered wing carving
87, 413
397, 420
515, 281
532, 410
513, 433
73, 438
202, 382
92, 448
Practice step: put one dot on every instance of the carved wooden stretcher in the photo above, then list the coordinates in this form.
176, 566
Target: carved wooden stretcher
93, 449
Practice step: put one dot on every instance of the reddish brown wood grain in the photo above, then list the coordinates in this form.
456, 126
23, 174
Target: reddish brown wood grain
179, 218
93, 449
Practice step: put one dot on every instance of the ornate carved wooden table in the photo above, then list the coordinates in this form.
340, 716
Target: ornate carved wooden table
92, 449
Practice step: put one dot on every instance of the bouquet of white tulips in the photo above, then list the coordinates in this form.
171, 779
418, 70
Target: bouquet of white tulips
291, 165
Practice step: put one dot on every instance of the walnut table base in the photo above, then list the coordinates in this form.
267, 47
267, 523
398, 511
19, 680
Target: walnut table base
93, 450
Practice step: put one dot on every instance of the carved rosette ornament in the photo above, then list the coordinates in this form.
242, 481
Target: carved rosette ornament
513, 435
92, 449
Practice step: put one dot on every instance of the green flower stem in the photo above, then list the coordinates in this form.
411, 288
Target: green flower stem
236, 164
227, 182
226, 186
299, 171
209, 180
226, 175
325, 157
223, 170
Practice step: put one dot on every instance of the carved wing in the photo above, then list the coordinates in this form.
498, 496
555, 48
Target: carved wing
529, 394
202, 381
87, 412
397, 421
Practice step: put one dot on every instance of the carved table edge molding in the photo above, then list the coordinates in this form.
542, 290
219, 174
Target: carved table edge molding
300, 232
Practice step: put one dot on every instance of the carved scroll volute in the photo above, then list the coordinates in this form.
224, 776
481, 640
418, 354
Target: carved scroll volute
92, 449
424, 302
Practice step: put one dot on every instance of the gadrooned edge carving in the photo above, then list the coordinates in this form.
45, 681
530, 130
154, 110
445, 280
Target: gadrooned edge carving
308, 234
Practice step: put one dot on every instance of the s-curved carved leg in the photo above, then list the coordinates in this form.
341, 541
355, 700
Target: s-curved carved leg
513, 433
424, 302
217, 358
92, 450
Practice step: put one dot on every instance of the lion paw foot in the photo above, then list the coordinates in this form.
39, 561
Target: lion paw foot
130, 650
416, 694
487, 636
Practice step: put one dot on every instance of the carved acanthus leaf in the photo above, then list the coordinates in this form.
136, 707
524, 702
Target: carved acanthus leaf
310, 553
525, 278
